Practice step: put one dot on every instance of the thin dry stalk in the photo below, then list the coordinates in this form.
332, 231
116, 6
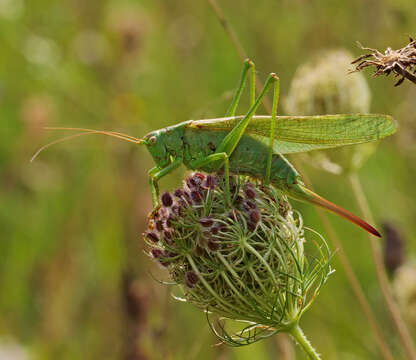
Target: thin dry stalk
380, 270
346, 265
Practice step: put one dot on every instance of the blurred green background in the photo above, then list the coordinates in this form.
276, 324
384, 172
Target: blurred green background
74, 281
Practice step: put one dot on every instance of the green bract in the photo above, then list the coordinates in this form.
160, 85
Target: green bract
246, 262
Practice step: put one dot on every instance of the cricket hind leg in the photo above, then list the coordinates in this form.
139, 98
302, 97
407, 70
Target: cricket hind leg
247, 66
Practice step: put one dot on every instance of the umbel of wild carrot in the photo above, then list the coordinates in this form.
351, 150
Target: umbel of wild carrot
322, 86
244, 262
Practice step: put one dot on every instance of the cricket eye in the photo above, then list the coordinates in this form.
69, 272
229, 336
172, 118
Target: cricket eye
152, 140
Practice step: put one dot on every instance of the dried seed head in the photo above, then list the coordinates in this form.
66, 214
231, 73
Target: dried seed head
400, 62
244, 258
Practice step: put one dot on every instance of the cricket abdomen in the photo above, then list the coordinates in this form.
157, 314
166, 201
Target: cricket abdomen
248, 158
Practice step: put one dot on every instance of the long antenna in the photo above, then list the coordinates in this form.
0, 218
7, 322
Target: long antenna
85, 132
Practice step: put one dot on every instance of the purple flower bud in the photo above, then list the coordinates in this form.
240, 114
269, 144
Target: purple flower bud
167, 199
254, 216
251, 226
223, 227
161, 213
232, 216
213, 245
199, 251
191, 279
249, 191
196, 196
159, 225
193, 182
206, 221
169, 254
167, 235
177, 210
178, 193
157, 253
187, 197
239, 199
215, 230
169, 221
152, 236
210, 182
249, 205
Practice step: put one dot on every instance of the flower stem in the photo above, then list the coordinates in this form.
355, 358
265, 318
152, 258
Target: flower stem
380, 270
301, 339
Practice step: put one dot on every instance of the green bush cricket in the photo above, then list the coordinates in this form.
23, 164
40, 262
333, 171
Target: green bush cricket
255, 145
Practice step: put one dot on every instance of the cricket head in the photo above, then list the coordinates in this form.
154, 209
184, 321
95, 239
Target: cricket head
154, 142
163, 144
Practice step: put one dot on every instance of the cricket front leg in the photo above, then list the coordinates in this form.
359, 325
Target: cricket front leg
221, 158
156, 174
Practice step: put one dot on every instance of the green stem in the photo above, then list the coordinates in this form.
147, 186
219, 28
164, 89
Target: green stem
301, 339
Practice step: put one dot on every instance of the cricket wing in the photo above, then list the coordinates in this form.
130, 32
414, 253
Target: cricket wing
294, 134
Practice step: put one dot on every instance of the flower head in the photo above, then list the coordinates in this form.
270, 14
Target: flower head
321, 86
242, 262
